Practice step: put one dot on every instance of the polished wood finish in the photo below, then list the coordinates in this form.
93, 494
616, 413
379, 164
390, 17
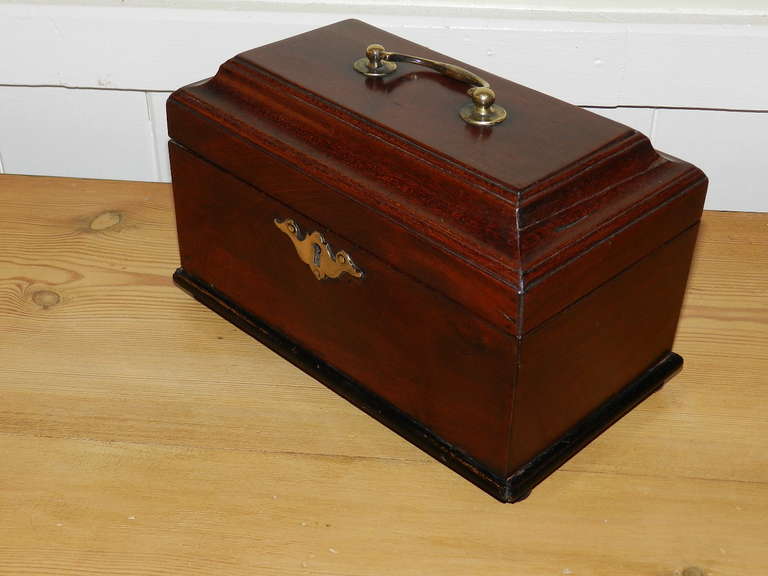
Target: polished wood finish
483, 293
535, 269
417, 110
581, 357
534, 467
491, 416
401, 340
142, 434
384, 410
370, 156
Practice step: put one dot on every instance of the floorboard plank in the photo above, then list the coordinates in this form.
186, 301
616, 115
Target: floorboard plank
142, 434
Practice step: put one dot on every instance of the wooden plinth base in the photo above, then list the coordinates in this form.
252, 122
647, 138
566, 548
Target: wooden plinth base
512, 489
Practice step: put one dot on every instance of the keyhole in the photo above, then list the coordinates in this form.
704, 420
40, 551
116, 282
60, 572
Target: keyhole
316, 254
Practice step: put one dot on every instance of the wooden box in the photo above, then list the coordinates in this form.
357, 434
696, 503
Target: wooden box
497, 294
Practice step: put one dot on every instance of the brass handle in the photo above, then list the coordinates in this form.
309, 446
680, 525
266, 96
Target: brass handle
316, 253
482, 111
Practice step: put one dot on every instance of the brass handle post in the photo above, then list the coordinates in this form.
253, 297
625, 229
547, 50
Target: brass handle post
482, 111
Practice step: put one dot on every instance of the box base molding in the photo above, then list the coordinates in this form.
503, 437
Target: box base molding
510, 489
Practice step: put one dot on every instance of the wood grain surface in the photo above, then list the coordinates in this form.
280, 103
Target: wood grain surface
142, 434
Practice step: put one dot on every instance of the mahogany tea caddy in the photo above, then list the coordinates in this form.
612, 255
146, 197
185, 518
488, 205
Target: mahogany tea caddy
494, 274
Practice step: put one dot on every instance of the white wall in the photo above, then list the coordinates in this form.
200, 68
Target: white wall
82, 87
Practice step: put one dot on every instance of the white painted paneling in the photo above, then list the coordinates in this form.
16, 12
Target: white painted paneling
640, 6
160, 127
622, 60
731, 148
641, 119
75, 132
684, 67
577, 62
610, 58
131, 48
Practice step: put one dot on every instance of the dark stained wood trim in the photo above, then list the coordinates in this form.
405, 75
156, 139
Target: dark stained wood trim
569, 444
548, 295
371, 403
514, 488
462, 239
536, 268
340, 91
420, 197
475, 288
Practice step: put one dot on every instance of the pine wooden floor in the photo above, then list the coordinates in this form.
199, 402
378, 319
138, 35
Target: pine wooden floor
142, 434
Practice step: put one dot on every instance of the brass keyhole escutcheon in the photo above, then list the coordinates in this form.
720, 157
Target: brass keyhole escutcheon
316, 253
